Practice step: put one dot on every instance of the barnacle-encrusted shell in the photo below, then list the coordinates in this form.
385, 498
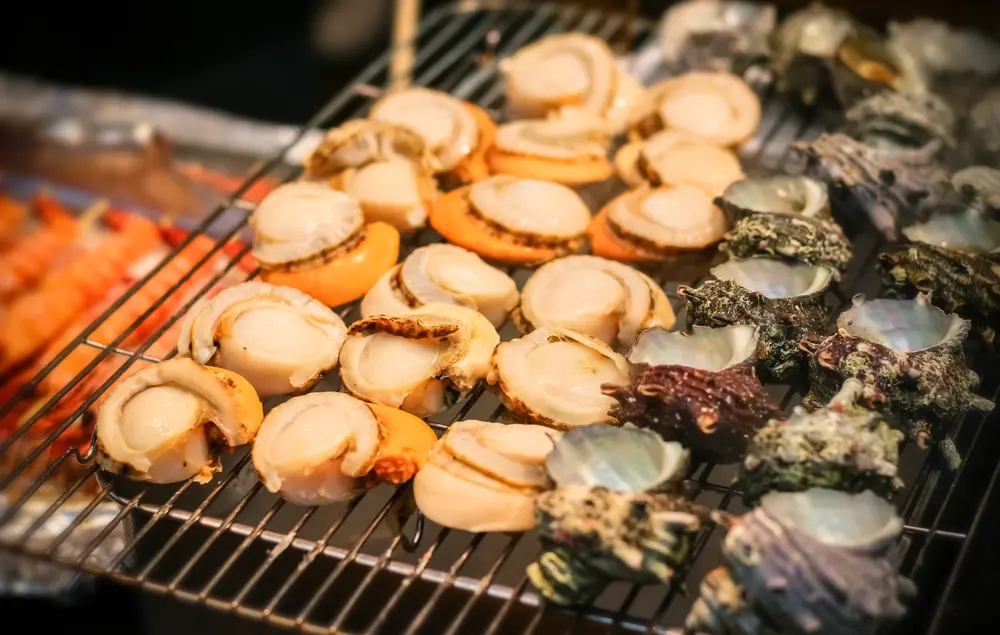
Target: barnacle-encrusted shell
913, 124
802, 46
777, 194
806, 562
624, 459
593, 535
444, 274
980, 187
676, 157
553, 377
909, 353
842, 446
717, 35
325, 222
409, 361
718, 107
956, 281
715, 414
811, 241
169, 422
784, 301
703, 348
869, 183
570, 71
278, 338
601, 298
485, 476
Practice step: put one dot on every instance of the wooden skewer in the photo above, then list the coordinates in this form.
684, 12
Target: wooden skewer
404, 27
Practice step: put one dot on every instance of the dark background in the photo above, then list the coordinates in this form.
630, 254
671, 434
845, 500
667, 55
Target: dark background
275, 61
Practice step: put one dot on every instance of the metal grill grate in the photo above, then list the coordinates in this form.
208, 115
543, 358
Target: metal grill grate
373, 565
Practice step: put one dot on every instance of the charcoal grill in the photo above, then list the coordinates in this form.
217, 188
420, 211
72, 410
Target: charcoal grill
374, 565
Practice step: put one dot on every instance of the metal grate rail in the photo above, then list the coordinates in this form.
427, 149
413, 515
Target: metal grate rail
374, 565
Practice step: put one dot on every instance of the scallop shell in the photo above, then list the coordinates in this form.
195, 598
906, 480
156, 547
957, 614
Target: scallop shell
909, 353
784, 301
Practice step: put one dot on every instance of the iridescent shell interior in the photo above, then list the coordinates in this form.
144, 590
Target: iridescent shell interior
967, 231
705, 348
779, 194
622, 459
902, 325
838, 519
773, 278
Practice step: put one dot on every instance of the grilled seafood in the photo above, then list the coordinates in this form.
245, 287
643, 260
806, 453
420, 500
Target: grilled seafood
280, 339
716, 35
385, 167
485, 476
446, 274
810, 241
718, 107
600, 298
675, 157
570, 72
553, 377
312, 238
570, 150
505, 218
168, 422
457, 133
778, 194
803, 46
327, 447
663, 223
418, 360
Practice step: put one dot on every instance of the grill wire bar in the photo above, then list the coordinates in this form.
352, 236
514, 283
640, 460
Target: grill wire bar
371, 565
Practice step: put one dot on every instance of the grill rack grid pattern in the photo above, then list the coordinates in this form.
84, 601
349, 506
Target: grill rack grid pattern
373, 565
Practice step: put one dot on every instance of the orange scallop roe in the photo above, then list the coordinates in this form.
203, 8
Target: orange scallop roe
475, 168
406, 444
350, 275
605, 243
566, 172
450, 217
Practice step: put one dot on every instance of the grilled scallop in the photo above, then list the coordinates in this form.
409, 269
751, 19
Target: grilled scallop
513, 220
606, 300
313, 238
649, 224
278, 338
718, 107
485, 476
573, 72
571, 150
678, 158
168, 422
553, 377
385, 167
445, 274
457, 133
412, 362
327, 447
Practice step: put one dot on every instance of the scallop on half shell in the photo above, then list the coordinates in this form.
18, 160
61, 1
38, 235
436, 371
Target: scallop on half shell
456, 133
720, 108
675, 157
413, 361
327, 447
385, 167
313, 238
169, 422
278, 338
553, 377
570, 71
662, 223
485, 476
446, 274
570, 150
909, 352
508, 219
601, 298
784, 301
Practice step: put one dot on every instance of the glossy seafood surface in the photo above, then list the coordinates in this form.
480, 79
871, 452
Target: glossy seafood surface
777, 194
715, 35
704, 348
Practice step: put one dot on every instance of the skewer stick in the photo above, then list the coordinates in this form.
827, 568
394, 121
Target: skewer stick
404, 27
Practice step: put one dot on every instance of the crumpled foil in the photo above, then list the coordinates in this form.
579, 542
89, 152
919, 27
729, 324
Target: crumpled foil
25, 576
